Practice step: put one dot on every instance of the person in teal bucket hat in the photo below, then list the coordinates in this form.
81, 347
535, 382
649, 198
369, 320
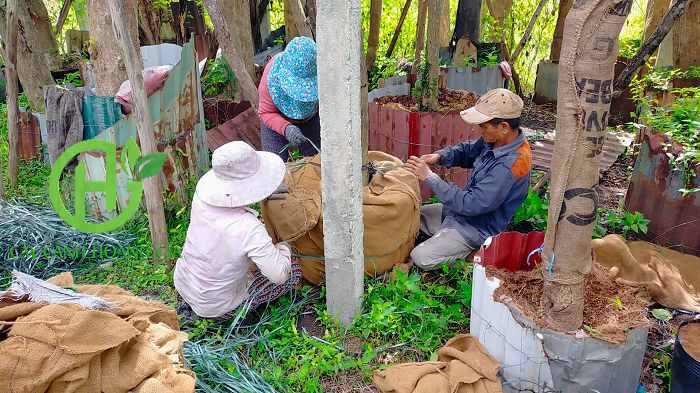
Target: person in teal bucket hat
288, 101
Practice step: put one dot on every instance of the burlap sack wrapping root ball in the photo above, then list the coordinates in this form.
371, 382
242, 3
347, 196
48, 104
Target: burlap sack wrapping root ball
391, 208
67, 348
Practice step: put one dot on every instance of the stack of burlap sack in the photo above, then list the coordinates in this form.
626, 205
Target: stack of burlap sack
391, 209
66, 348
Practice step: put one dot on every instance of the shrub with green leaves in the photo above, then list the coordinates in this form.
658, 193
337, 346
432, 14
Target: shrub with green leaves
220, 80
680, 120
533, 211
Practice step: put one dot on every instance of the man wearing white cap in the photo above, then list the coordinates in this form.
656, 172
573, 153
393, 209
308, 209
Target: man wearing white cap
225, 237
499, 183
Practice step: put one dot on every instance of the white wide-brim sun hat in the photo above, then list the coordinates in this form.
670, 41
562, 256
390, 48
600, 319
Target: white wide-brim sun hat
240, 176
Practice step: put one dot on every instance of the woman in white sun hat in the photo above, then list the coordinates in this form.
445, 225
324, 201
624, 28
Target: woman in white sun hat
225, 237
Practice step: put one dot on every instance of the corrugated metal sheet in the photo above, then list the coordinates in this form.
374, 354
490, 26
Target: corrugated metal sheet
244, 127
615, 144
29, 135
653, 191
162, 54
390, 90
546, 83
178, 119
478, 80
541, 360
403, 134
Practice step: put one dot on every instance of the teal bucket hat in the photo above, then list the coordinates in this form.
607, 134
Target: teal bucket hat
293, 81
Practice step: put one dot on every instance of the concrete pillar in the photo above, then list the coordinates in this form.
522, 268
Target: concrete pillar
339, 64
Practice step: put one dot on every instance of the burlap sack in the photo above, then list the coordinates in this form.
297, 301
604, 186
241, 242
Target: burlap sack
586, 69
391, 208
463, 366
66, 348
667, 276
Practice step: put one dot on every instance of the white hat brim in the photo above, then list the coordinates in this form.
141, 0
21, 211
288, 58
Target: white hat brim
236, 193
472, 116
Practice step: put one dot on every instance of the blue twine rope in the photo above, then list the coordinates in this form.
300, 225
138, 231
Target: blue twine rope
539, 251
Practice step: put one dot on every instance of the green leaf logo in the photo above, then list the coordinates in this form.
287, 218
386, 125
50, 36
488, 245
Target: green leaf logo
130, 155
150, 165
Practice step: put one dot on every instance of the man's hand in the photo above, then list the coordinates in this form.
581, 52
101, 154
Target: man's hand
279, 192
430, 159
418, 167
294, 135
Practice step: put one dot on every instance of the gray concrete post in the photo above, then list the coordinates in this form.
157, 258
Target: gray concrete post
339, 48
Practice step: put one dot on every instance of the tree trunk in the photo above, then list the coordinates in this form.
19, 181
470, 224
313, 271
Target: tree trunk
433, 50
420, 34
300, 19
375, 20
528, 31
12, 91
238, 21
37, 51
108, 63
686, 38
445, 25
152, 186
290, 26
655, 11
311, 14
258, 8
650, 45
564, 7
499, 12
397, 32
150, 23
467, 23
589, 51
62, 17
230, 52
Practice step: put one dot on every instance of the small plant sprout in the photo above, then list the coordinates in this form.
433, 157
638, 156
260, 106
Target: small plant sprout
616, 301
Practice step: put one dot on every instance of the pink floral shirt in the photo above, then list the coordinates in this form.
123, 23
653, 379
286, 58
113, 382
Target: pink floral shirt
221, 244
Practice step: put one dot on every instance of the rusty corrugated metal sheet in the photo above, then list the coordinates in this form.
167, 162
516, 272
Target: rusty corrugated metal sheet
653, 191
29, 135
178, 119
244, 127
615, 144
403, 134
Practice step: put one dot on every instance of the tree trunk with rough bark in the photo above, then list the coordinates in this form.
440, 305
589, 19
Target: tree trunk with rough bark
445, 25
420, 34
300, 18
37, 50
564, 7
12, 91
375, 20
655, 11
686, 38
290, 26
62, 17
468, 21
152, 186
433, 49
150, 23
108, 65
230, 52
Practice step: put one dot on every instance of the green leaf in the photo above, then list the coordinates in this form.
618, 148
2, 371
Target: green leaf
661, 314
434, 357
150, 165
130, 155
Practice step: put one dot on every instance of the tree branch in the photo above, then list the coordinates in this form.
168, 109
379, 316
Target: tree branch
649, 46
528, 31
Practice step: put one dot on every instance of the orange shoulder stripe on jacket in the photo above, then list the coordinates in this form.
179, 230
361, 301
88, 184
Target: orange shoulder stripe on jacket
522, 165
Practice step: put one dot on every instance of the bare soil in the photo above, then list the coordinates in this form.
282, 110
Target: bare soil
690, 335
449, 100
538, 117
307, 323
600, 311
